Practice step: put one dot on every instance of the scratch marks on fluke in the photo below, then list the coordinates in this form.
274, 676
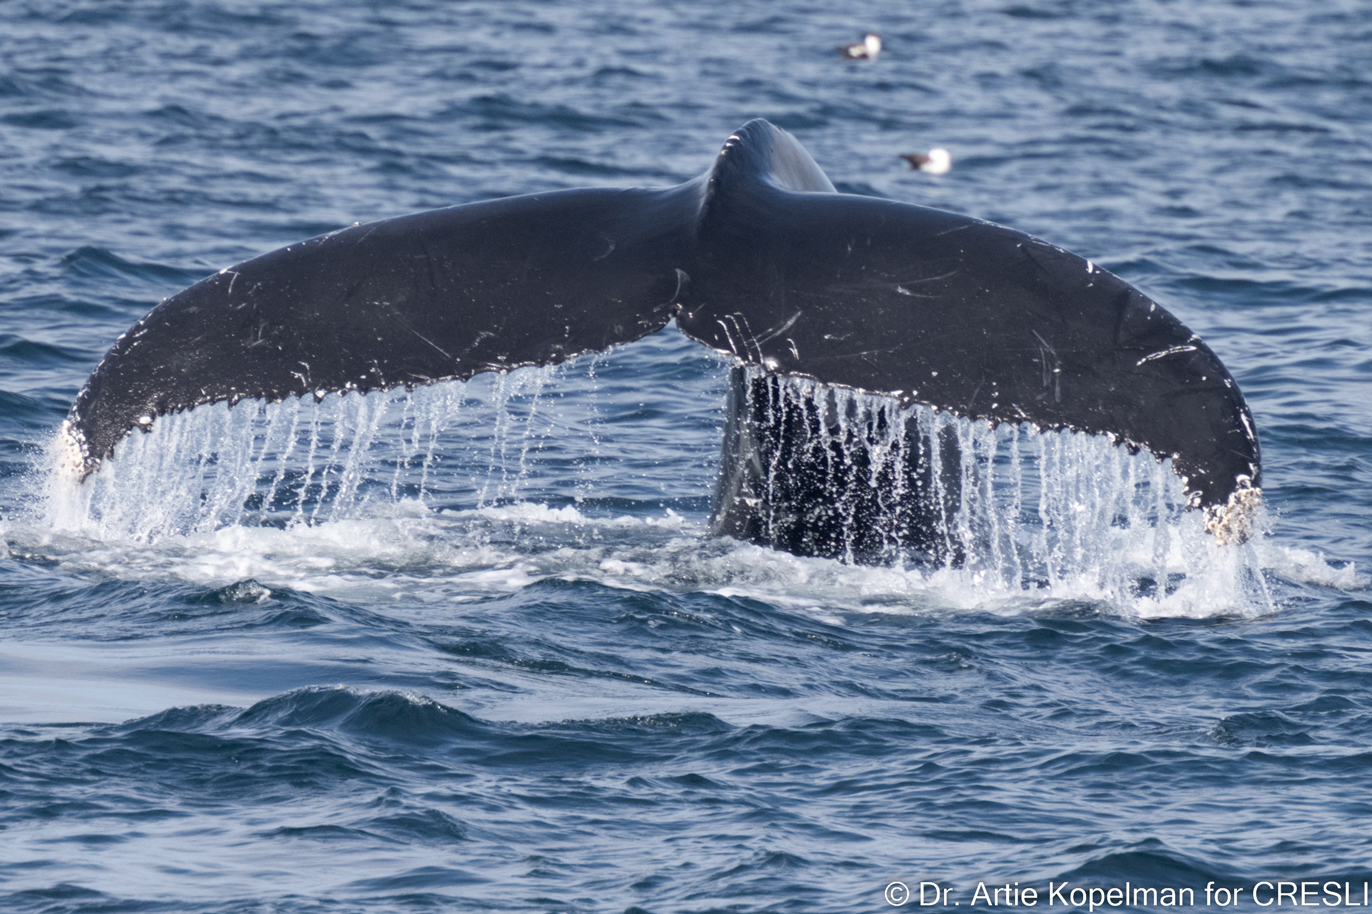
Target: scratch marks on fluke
1052, 366
1173, 350
682, 280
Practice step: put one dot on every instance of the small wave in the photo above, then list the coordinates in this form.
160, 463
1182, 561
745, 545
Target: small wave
1263, 729
503, 111
30, 411
427, 826
39, 353
1047, 11
325, 715
104, 267
1305, 566
248, 591
49, 119
1149, 864
583, 168
388, 716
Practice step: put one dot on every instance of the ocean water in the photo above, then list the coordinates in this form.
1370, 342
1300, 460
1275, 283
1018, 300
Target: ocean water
472, 648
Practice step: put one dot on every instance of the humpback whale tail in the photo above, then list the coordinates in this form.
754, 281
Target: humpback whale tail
758, 258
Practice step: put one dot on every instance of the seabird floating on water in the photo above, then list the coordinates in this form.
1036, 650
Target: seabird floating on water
866, 49
936, 161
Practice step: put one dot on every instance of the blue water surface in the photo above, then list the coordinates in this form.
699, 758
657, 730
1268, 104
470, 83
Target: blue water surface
530, 680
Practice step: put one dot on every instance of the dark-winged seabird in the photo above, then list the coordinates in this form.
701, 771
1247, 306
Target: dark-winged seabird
866, 49
936, 161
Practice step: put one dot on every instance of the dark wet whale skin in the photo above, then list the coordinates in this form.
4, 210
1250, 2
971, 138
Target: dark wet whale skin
759, 258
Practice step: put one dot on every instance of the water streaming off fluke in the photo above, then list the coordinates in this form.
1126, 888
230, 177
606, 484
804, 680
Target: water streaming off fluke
1005, 510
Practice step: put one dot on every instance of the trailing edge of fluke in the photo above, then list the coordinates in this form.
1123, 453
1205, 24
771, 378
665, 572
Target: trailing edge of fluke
759, 257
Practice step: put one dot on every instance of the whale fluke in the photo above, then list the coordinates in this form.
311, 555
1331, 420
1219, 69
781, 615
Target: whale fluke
759, 258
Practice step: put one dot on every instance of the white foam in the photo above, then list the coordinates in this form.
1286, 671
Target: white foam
220, 466
458, 491
1303, 566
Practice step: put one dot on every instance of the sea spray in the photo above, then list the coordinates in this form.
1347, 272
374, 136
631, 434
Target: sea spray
301, 461
1018, 511
835, 472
